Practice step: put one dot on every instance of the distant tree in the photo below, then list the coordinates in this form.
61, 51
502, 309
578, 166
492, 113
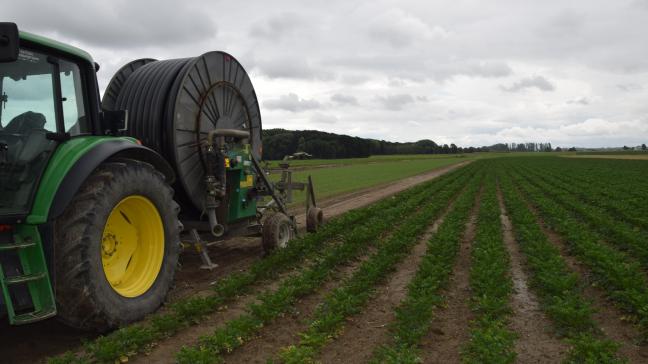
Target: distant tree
643, 146
453, 148
558, 149
625, 147
301, 144
572, 149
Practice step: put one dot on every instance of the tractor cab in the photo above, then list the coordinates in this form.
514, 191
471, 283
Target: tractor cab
41, 103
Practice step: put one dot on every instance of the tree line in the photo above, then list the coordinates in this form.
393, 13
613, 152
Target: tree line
278, 143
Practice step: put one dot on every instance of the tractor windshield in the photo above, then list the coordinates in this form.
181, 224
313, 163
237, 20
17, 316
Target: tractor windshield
27, 115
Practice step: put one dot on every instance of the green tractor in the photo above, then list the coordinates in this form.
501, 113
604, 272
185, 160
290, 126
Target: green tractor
94, 194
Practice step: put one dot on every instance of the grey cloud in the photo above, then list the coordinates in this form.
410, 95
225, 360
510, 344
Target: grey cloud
276, 27
292, 68
400, 29
538, 82
580, 101
291, 102
116, 24
344, 99
324, 118
395, 102
629, 87
399, 67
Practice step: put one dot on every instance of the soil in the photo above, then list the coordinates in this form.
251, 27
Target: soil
612, 321
285, 330
449, 329
365, 332
164, 351
535, 343
32, 343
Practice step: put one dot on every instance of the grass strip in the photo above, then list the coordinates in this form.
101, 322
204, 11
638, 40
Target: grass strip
491, 341
415, 313
622, 279
136, 338
557, 287
273, 304
352, 296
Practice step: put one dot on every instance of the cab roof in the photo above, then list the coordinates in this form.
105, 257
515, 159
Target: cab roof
47, 42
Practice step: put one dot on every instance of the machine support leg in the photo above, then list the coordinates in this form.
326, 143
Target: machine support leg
201, 247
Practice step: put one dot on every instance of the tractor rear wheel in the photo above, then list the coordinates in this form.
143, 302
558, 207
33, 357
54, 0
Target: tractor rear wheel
277, 232
116, 247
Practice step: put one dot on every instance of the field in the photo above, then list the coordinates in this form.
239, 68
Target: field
527, 259
341, 176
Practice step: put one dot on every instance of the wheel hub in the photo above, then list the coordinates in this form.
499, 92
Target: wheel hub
132, 246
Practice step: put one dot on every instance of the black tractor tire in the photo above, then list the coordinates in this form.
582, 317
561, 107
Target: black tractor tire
85, 299
277, 232
314, 219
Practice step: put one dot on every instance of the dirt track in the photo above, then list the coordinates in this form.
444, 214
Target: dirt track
32, 343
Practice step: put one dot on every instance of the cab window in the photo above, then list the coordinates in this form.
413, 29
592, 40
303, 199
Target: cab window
72, 93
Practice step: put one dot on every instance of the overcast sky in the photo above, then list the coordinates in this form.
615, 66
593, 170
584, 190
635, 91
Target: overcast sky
468, 72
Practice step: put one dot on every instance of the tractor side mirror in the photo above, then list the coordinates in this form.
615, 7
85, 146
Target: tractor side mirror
114, 121
9, 40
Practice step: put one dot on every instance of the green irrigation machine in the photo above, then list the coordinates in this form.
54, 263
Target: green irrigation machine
96, 194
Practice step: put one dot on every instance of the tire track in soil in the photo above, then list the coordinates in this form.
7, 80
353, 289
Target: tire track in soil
366, 331
284, 330
37, 341
609, 317
535, 343
449, 329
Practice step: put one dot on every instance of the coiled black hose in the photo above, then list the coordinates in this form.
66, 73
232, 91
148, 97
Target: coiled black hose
173, 104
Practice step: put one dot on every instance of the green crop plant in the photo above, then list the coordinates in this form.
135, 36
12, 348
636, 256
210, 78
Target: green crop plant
136, 338
491, 341
415, 313
273, 304
557, 287
351, 297
623, 280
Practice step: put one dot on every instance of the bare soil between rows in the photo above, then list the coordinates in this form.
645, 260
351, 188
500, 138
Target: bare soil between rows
535, 343
33, 343
613, 322
365, 332
450, 325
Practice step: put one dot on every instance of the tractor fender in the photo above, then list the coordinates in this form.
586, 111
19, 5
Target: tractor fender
86, 164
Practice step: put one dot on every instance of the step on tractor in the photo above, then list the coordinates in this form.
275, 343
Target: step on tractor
97, 193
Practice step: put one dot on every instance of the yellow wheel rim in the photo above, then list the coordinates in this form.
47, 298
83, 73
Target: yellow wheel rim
132, 246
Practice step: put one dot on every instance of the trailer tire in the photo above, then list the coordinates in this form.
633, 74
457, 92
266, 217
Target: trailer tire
314, 219
277, 232
125, 205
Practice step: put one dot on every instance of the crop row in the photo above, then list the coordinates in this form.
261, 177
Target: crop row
613, 179
349, 298
273, 304
622, 279
557, 287
491, 340
601, 196
616, 231
136, 338
415, 313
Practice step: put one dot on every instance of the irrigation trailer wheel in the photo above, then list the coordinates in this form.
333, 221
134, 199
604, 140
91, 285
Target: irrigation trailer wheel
277, 232
116, 247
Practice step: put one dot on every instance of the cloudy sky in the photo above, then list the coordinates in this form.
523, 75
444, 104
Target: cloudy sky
566, 72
